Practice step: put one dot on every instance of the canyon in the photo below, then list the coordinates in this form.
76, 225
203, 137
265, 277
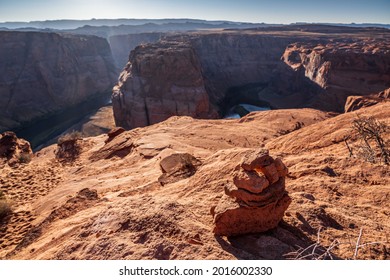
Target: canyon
310, 66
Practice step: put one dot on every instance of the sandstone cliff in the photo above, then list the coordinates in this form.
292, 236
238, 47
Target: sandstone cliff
160, 81
43, 73
213, 63
342, 68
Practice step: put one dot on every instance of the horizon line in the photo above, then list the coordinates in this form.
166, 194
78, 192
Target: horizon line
199, 19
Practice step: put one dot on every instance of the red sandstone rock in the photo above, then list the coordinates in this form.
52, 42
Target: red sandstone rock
114, 133
342, 69
232, 219
177, 166
250, 181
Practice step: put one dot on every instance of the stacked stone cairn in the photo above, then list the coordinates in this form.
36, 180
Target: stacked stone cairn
256, 199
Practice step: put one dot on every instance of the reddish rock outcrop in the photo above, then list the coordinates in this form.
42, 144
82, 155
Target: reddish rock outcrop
256, 199
42, 73
354, 103
14, 150
114, 133
177, 166
342, 68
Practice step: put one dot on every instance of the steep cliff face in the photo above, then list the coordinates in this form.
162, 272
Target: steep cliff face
121, 45
342, 68
234, 59
160, 81
42, 73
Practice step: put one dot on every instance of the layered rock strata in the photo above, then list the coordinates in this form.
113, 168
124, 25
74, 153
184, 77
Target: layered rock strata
44, 73
255, 200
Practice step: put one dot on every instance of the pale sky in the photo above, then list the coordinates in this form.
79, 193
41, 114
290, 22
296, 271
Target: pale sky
271, 11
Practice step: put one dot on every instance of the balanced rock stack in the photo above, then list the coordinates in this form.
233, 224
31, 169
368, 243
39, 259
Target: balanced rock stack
256, 199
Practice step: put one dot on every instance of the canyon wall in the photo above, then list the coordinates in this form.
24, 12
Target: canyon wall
280, 69
342, 68
241, 67
44, 73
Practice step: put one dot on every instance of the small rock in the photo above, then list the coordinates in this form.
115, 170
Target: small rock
250, 181
114, 133
270, 172
258, 159
177, 166
282, 169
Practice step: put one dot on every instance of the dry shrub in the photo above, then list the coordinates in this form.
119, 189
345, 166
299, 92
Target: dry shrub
24, 158
371, 133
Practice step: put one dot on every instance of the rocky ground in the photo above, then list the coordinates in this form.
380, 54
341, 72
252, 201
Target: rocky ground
120, 197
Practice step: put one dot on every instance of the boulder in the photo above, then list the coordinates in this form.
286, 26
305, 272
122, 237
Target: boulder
177, 166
